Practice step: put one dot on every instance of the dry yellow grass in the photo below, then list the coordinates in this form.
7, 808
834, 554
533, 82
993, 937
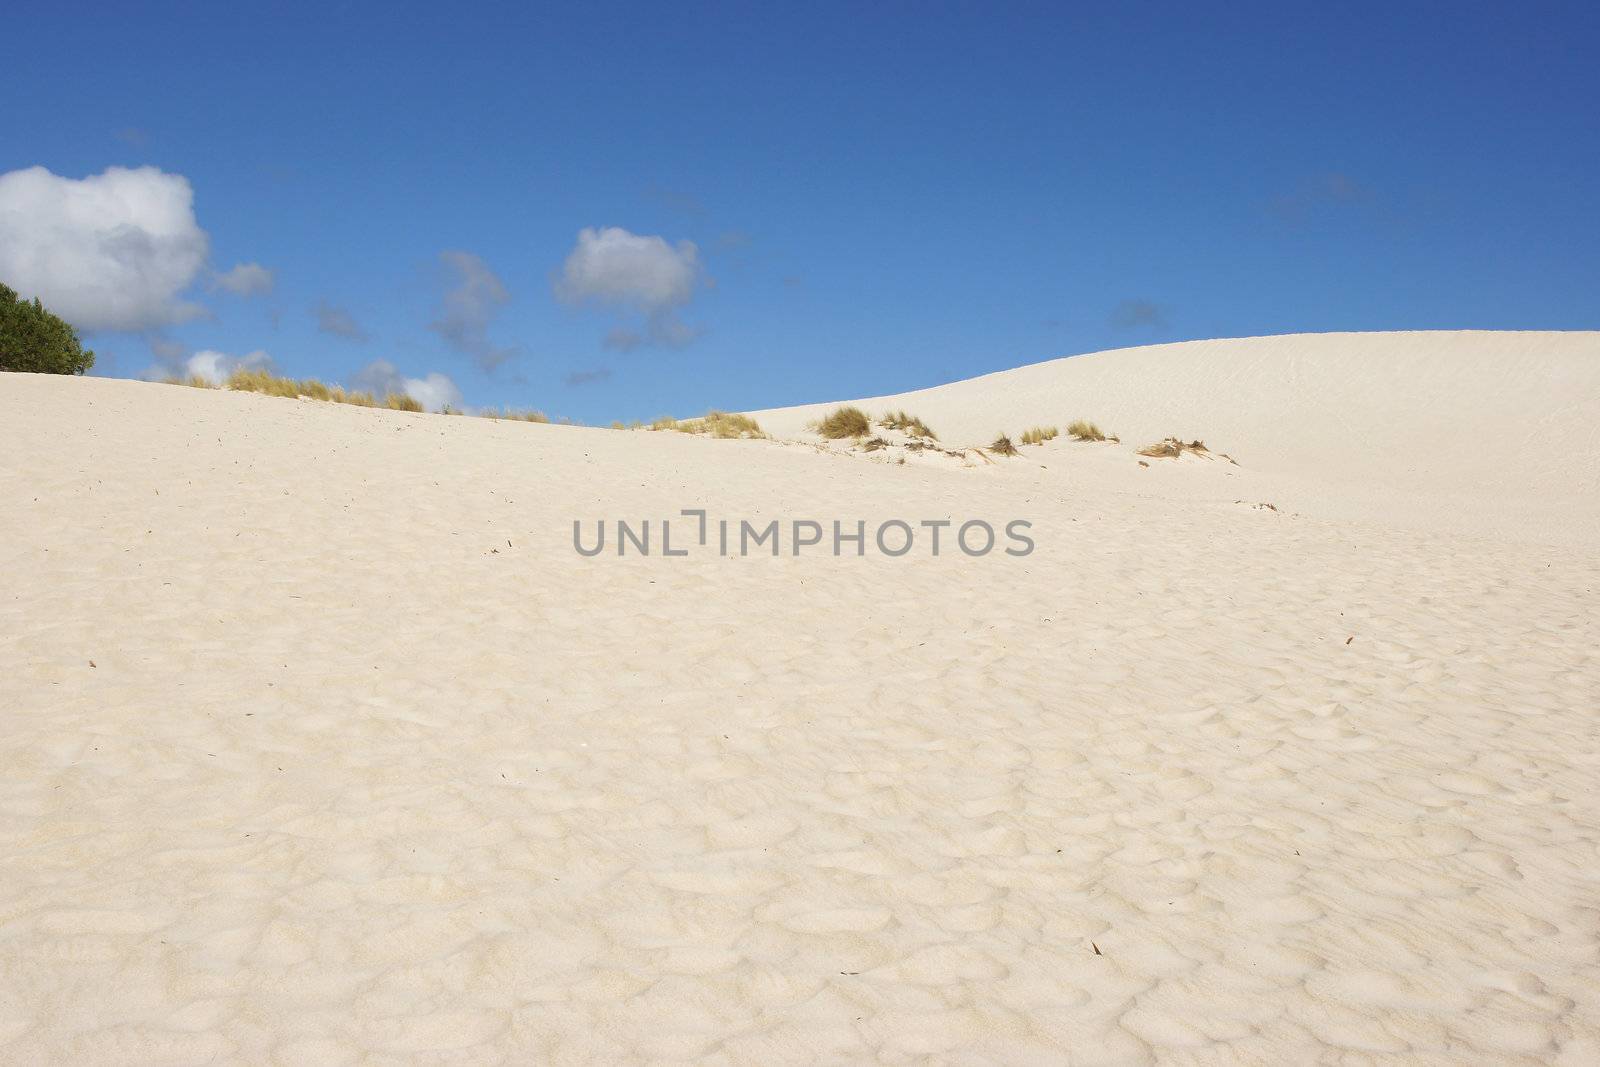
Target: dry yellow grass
1084, 430
401, 402
844, 422
265, 382
340, 395
719, 424
1172, 448
1039, 435
899, 420
1002, 446
193, 381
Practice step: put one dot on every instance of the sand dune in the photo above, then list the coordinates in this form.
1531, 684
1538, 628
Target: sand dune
321, 744
1476, 430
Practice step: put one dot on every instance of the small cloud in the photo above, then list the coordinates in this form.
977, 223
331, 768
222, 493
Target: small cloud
167, 351
588, 377
622, 339
434, 391
1135, 313
468, 308
337, 322
680, 202
633, 274
1322, 193
245, 279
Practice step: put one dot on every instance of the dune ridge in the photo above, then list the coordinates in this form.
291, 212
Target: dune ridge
1483, 431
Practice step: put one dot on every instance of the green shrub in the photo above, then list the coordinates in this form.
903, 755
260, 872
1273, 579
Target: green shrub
32, 339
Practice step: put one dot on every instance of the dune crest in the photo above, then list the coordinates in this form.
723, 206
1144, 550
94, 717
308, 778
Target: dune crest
1479, 431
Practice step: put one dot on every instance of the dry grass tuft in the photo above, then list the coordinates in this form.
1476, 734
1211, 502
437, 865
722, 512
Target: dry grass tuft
193, 381
264, 382
401, 402
874, 444
339, 395
1084, 430
720, 424
1040, 434
899, 420
1172, 448
844, 422
1002, 446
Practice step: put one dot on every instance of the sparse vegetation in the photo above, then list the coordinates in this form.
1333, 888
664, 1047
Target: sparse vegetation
720, 424
1039, 435
899, 420
401, 402
1002, 446
844, 422
265, 382
1084, 430
33, 340
1172, 448
874, 444
340, 395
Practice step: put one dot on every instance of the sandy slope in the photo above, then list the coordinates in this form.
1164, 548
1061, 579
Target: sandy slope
1479, 431
320, 745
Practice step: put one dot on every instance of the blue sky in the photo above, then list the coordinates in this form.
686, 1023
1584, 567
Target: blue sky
880, 197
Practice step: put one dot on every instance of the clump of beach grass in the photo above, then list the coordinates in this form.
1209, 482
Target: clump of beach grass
874, 444
1084, 430
265, 382
1172, 448
401, 402
1039, 435
842, 422
1002, 446
356, 398
720, 424
911, 424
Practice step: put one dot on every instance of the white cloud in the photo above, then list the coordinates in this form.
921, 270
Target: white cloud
246, 279
433, 391
630, 273
469, 307
108, 252
217, 367
615, 267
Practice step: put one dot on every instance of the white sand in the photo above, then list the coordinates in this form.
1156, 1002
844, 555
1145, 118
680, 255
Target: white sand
320, 745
